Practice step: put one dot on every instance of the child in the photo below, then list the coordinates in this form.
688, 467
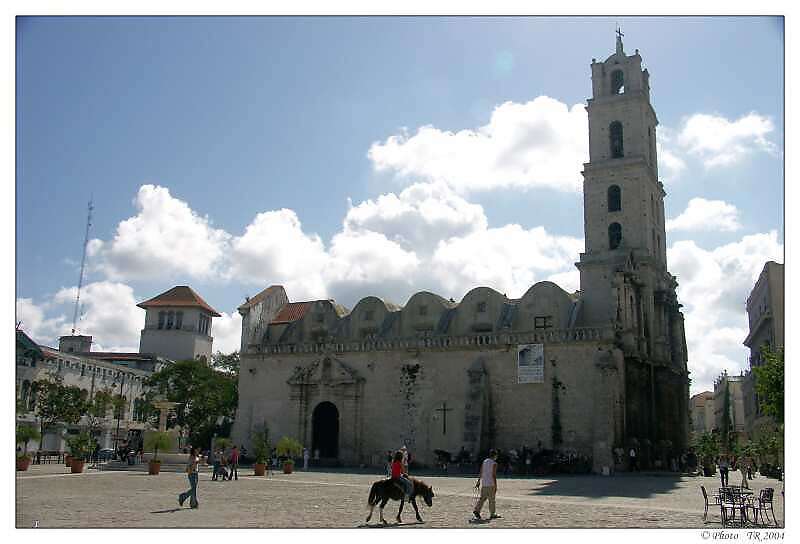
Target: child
400, 479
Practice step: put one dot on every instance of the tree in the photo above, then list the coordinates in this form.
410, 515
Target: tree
202, 393
26, 433
260, 442
58, 403
769, 384
97, 409
226, 363
726, 434
157, 440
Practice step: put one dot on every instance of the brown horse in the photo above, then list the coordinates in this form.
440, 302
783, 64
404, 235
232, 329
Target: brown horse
383, 490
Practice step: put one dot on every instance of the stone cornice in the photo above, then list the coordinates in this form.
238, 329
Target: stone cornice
473, 341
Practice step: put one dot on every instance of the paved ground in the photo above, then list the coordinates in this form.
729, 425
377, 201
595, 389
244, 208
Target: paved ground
47, 494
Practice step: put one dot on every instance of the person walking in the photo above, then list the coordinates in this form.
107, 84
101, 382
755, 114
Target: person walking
406, 458
191, 472
234, 463
742, 464
723, 469
632, 457
213, 460
306, 456
487, 481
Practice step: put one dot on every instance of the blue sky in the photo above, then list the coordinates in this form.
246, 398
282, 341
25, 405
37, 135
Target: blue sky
344, 157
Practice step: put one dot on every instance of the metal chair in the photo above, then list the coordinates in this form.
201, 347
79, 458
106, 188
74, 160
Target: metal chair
762, 507
732, 502
714, 498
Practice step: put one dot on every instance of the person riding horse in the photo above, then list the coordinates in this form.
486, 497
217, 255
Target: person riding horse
399, 475
383, 490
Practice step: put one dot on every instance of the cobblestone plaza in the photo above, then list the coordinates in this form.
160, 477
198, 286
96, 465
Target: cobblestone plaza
50, 496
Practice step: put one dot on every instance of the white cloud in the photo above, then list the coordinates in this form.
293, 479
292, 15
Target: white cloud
718, 141
706, 215
670, 164
417, 218
713, 286
509, 259
542, 143
166, 238
227, 332
274, 249
108, 313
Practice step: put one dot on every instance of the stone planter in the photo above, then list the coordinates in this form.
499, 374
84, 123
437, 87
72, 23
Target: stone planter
154, 467
260, 469
23, 463
76, 466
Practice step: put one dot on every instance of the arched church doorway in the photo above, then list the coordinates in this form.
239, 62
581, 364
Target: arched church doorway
325, 430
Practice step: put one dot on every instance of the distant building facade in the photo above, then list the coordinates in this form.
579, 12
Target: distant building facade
765, 316
90, 372
733, 387
701, 409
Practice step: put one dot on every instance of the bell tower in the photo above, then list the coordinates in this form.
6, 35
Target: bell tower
624, 277
622, 198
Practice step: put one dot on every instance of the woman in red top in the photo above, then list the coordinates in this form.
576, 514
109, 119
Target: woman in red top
398, 477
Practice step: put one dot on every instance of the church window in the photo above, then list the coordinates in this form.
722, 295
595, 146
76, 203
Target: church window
615, 135
203, 324
170, 319
614, 198
481, 307
369, 315
617, 82
653, 233
161, 317
658, 242
614, 235
178, 320
423, 310
543, 322
653, 207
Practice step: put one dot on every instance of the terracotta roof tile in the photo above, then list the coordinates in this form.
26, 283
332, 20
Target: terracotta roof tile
181, 296
291, 311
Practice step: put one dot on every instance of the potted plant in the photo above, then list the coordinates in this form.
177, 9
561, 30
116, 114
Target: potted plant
260, 441
288, 448
80, 446
157, 440
25, 433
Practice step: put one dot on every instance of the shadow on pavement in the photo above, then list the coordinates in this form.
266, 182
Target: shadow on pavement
380, 525
603, 486
170, 510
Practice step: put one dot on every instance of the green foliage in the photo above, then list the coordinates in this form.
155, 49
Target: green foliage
260, 441
97, 408
707, 447
58, 403
725, 435
26, 433
288, 447
202, 392
769, 384
229, 363
223, 443
157, 440
81, 445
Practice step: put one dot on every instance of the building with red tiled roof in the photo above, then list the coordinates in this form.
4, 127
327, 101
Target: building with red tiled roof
177, 325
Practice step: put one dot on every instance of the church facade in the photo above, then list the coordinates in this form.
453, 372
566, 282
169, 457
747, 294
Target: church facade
587, 373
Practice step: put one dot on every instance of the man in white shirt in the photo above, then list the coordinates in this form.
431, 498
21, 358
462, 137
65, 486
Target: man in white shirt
487, 481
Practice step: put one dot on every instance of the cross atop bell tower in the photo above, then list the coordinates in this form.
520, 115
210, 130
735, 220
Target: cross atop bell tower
619, 41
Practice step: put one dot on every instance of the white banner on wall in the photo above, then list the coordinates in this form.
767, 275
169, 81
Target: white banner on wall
530, 363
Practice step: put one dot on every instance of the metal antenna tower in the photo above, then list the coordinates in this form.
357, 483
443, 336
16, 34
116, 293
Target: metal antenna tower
83, 265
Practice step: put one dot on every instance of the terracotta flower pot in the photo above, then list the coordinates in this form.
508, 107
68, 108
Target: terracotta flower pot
154, 467
260, 469
76, 467
67, 459
288, 468
23, 463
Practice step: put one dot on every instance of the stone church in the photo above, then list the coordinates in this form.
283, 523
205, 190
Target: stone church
586, 372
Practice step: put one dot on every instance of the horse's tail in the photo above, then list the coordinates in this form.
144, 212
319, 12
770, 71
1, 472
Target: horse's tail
373, 495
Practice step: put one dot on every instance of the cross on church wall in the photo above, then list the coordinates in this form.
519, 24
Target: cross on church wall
444, 409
